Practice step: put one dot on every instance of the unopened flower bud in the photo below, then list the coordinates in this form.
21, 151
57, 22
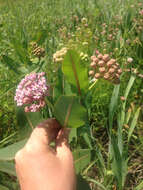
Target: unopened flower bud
106, 76
117, 64
106, 57
130, 60
97, 75
119, 71
92, 57
117, 76
96, 60
109, 63
111, 70
115, 67
91, 73
97, 52
140, 75
93, 65
101, 63
113, 61
102, 69
122, 98
100, 56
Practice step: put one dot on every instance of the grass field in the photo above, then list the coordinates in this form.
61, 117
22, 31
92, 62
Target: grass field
113, 27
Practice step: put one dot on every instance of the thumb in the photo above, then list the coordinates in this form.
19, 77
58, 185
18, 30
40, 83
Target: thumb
63, 151
43, 135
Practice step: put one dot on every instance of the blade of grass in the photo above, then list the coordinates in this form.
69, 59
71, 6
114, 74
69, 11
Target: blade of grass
130, 84
113, 105
133, 123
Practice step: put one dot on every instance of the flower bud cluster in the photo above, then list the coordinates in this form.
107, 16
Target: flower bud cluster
102, 66
31, 91
37, 51
59, 55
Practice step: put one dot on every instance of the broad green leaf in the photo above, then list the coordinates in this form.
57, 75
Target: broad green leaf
27, 121
74, 71
8, 153
82, 158
69, 112
3, 187
7, 167
73, 134
133, 123
82, 183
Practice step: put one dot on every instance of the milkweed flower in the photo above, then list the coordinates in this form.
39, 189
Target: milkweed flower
31, 92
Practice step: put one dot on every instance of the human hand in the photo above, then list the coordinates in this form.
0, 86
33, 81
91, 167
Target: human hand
40, 167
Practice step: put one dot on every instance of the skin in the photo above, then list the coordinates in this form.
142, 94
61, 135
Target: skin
40, 167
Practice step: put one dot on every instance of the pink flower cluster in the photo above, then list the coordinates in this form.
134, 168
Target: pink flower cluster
31, 91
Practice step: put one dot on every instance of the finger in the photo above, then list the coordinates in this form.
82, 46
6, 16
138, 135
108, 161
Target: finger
63, 151
43, 135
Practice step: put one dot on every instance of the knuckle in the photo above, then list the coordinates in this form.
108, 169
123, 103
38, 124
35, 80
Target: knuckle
19, 155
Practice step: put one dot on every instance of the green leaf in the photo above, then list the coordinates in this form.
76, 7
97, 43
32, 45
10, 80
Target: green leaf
74, 71
73, 134
3, 187
87, 139
129, 86
8, 153
119, 164
69, 112
7, 167
128, 116
133, 123
113, 105
27, 121
82, 158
